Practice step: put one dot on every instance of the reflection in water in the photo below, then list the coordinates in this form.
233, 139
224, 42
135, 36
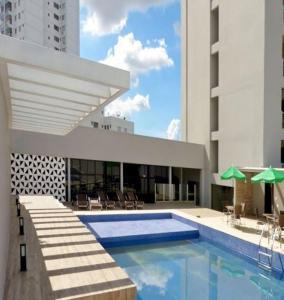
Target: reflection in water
213, 277
152, 276
195, 270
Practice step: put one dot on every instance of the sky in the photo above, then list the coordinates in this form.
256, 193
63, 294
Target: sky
143, 37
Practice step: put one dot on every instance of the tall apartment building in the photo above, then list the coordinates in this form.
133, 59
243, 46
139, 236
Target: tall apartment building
54, 24
233, 85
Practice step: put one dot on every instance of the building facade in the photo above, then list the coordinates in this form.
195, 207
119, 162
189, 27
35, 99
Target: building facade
53, 24
232, 85
100, 121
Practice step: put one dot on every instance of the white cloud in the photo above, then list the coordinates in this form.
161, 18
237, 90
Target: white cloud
110, 16
152, 276
177, 29
130, 54
173, 131
125, 108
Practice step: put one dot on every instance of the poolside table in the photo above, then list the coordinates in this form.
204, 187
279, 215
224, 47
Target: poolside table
230, 208
230, 211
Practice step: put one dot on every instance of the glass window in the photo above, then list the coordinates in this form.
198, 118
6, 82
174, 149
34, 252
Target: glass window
99, 167
91, 167
84, 166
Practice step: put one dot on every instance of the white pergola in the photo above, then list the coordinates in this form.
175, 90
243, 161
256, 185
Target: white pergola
52, 92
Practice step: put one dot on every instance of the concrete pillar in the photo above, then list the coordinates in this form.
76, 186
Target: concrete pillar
181, 187
69, 179
170, 183
121, 177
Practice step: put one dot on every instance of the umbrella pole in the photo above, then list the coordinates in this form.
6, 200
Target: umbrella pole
272, 198
234, 193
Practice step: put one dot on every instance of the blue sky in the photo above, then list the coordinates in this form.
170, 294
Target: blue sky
143, 38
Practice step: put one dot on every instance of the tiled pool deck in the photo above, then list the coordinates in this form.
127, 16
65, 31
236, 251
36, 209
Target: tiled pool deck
66, 261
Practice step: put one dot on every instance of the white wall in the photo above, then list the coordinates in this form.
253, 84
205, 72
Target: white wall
72, 23
196, 80
241, 87
274, 82
89, 143
33, 20
4, 191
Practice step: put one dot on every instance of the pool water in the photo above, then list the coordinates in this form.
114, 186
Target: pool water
195, 270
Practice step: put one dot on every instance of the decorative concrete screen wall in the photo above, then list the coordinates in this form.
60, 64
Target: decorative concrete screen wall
38, 175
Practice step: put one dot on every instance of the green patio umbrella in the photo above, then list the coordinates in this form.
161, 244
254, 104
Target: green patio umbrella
271, 176
234, 174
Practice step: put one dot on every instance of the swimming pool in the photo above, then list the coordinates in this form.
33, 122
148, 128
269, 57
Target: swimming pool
133, 229
195, 269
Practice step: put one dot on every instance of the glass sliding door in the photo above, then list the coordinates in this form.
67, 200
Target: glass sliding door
143, 179
89, 177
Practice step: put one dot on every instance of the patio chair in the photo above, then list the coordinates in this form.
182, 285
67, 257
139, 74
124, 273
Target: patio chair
107, 204
227, 213
243, 210
82, 201
280, 226
236, 215
133, 197
121, 199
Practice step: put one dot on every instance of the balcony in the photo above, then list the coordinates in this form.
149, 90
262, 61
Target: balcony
8, 6
8, 31
9, 21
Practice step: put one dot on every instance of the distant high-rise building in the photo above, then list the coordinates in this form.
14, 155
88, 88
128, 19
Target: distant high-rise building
112, 123
54, 24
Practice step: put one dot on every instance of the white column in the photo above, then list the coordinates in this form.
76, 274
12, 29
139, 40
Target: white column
121, 177
181, 186
170, 183
69, 179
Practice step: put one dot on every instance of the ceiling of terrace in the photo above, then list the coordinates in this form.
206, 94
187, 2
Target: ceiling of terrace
52, 91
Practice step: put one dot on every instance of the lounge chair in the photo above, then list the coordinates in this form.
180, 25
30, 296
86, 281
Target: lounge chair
129, 203
107, 204
95, 203
121, 199
82, 201
133, 197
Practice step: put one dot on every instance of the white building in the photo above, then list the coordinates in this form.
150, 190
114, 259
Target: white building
100, 121
233, 82
53, 24
44, 96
